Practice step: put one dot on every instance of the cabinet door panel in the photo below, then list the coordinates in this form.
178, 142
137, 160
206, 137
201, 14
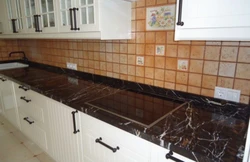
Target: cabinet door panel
215, 14
65, 144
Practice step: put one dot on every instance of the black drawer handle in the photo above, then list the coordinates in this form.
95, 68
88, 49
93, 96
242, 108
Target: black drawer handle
99, 140
170, 156
24, 88
74, 122
23, 98
179, 22
3, 79
27, 120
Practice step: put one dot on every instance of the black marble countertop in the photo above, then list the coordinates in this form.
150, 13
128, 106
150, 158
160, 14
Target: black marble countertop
203, 129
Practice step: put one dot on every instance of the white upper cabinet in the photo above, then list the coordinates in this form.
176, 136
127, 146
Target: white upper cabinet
40, 16
213, 20
15, 17
95, 19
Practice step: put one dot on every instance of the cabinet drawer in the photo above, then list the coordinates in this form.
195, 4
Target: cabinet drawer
33, 131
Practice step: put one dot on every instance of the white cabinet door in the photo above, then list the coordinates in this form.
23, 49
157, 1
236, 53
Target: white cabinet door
213, 20
8, 101
129, 148
15, 17
65, 144
158, 154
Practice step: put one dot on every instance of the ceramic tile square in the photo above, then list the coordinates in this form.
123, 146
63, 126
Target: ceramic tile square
160, 62
131, 70
210, 67
109, 57
160, 17
182, 77
140, 3
149, 81
123, 48
124, 69
140, 13
131, 48
212, 52
123, 59
159, 74
225, 82
139, 60
171, 50
196, 66
244, 99
171, 63
207, 92
169, 85
160, 50
183, 51
161, 1
160, 37
116, 68
170, 75
149, 61
229, 43
197, 52
229, 53
150, 49
170, 38
140, 37
209, 81
150, 2
243, 86
149, 72
194, 90
182, 65
140, 71
195, 79
227, 69
180, 87
158, 83
140, 80
150, 37
244, 54
140, 49
140, 25
243, 71
131, 59
245, 43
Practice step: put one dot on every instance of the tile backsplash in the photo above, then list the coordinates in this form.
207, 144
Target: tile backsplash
190, 66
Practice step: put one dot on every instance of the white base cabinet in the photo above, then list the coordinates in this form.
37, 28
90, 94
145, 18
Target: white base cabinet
8, 102
65, 145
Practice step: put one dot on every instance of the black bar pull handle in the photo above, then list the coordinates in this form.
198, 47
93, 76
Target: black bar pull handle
24, 88
99, 140
3, 79
75, 21
170, 156
27, 119
23, 98
35, 21
71, 18
74, 122
38, 24
14, 25
179, 22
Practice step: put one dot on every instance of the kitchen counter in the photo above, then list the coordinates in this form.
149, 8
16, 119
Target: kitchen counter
202, 129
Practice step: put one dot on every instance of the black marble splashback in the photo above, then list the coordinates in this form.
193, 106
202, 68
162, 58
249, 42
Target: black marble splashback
203, 129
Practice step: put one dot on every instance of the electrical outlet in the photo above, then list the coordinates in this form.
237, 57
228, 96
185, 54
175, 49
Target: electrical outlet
139, 60
227, 94
71, 66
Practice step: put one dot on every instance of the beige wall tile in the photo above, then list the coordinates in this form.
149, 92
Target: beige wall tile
160, 37
209, 81
195, 90
170, 75
171, 50
227, 69
149, 72
229, 53
225, 82
171, 63
139, 71
169, 85
210, 67
195, 79
196, 66
243, 85
182, 77
197, 52
212, 52
159, 74
183, 51
243, 71
150, 37
244, 54
160, 62
149, 61
180, 87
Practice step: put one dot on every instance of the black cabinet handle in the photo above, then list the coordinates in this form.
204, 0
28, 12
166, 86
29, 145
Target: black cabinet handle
71, 18
24, 88
3, 79
27, 119
170, 156
14, 25
23, 98
35, 21
99, 140
75, 22
74, 122
179, 22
